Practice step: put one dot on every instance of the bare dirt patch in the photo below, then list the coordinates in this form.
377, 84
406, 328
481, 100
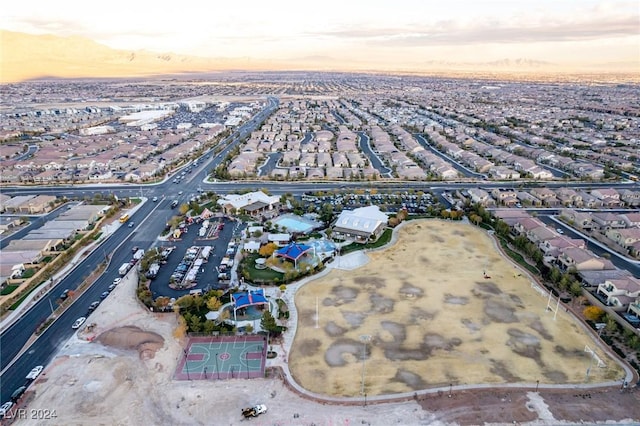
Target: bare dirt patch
441, 304
147, 343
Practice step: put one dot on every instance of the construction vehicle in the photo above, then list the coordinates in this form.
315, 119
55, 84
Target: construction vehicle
254, 411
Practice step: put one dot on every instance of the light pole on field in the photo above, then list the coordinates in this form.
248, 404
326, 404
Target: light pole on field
365, 339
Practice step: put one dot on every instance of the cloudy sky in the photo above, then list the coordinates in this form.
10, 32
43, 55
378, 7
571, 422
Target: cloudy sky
371, 32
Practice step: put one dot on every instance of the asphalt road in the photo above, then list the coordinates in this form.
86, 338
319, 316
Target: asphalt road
376, 163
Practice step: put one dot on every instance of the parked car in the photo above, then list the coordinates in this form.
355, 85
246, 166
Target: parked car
35, 372
104, 295
559, 231
93, 306
4, 409
18, 393
117, 280
111, 288
76, 325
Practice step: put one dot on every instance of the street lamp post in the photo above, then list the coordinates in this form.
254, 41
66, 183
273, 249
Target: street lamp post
186, 362
205, 373
365, 339
217, 369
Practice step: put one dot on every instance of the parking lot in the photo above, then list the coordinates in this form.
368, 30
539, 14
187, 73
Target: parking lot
415, 202
207, 277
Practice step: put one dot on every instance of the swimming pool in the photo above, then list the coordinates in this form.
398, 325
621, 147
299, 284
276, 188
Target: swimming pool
292, 223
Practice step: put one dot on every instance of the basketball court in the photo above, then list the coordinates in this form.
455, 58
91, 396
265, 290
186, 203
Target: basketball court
220, 358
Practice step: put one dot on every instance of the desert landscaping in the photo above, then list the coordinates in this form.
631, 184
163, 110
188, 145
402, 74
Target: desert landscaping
433, 319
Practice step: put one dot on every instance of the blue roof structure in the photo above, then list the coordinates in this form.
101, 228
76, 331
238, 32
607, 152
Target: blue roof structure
249, 298
293, 251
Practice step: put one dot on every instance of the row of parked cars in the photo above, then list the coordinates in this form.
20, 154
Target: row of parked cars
92, 307
17, 394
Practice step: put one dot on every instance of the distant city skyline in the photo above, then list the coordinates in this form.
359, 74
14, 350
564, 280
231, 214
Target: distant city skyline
375, 34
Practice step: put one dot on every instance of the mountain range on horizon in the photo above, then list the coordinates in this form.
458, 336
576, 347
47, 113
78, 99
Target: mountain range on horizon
31, 57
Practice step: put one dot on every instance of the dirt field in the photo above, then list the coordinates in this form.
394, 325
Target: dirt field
441, 307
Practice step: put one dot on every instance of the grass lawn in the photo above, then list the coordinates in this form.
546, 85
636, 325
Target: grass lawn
266, 275
8, 289
384, 239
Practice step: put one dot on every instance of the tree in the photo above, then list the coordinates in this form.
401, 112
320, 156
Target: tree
476, 219
593, 313
185, 301
195, 323
576, 288
612, 325
213, 304
209, 327
268, 323
267, 249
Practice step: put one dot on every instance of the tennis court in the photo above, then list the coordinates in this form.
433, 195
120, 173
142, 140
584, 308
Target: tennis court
219, 358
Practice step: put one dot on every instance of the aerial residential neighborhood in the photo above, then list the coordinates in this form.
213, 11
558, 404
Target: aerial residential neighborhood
287, 188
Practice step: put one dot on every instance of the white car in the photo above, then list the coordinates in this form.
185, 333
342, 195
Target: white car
35, 372
154, 199
117, 280
559, 231
78, 323
4, 410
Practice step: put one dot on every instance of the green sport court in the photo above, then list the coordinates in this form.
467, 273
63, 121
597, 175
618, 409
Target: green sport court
219, 358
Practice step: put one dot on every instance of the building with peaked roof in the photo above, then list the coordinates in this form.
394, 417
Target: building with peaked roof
254, 203
361, 225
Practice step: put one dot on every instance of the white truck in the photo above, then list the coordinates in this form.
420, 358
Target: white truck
124, 269
138, 254
254, 411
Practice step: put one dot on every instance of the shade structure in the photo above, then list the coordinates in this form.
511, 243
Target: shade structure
248, 298
293, 251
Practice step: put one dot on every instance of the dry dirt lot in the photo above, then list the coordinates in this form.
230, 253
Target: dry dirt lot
124, 375
441, 307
